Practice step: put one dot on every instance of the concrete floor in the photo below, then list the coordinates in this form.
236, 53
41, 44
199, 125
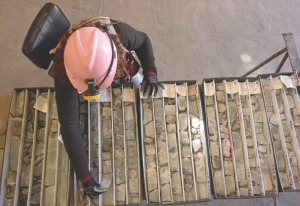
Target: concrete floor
192, 40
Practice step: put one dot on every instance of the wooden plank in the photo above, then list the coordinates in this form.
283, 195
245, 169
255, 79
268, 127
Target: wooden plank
1, 160
4, 106
4, 111
2, 140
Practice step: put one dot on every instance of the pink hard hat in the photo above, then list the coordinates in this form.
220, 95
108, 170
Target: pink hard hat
90, 53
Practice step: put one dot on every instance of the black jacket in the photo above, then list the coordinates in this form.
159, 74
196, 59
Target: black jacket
67, 98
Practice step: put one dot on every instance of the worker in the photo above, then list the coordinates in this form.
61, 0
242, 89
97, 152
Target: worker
87, 60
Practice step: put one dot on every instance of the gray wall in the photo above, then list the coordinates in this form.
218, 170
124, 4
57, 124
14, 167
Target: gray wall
192, 39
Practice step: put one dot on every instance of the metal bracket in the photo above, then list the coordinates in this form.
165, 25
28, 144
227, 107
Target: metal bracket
292, 51
293, 55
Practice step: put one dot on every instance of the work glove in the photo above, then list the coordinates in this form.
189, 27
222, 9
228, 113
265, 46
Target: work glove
94, 191
151, 81
92, 188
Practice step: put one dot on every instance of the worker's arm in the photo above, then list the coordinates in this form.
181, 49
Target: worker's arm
67, 108
139, 42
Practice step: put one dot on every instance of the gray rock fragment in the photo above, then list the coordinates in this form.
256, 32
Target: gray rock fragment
153, 196
216, 162
185, 151
119, 171
20, 103
187, 166
196, 145
214, 148
200, 169
173, 153
170, 110
284, 180
181, 101
166, 193
219, 184
151, 181
171, 119
182, 121
14, 153
176, 183
120, 192
171, 128
221, 107
220, 96
162, 153
149, 130
184, 139
212, 126
228, 168
147, 116
150, 149
243, 191
193, 107
261, 139
230, 185
133, 185
226, 147
164, 175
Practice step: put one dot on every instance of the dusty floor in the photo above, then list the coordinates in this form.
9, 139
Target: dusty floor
192, 40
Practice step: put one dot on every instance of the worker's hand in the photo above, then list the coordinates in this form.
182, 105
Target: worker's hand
94, 191
151, 82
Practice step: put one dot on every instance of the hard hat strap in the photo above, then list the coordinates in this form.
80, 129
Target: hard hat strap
111, 62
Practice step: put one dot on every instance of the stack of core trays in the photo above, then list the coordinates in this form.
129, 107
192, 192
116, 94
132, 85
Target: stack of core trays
241, 152
35, 166
283, 109
174, 148
111, 137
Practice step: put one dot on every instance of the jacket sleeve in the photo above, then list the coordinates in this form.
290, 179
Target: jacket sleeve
67, 108
137, 41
